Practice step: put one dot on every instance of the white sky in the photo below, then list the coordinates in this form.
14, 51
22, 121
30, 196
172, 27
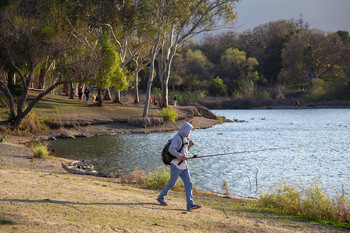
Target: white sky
327, 15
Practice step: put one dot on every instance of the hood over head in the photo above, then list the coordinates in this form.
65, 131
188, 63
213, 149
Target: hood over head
185, 128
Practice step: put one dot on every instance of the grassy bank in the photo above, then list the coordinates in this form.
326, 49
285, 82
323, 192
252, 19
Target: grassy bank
56, 202
38, 196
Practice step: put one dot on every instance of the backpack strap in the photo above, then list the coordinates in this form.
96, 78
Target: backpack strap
182, 141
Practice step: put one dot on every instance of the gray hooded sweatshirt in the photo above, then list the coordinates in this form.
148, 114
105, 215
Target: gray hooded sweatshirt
176, 144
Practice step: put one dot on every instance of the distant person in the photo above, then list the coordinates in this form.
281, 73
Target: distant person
87, 94
179, 147
80, 92
175, 100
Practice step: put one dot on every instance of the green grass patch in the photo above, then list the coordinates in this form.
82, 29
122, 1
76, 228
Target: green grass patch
41, 151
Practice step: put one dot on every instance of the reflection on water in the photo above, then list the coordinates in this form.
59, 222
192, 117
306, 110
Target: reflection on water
317, 142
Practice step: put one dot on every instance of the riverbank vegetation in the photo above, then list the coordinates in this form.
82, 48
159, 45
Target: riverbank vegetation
309, 201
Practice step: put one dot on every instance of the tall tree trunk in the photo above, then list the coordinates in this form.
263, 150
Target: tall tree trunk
165, 74
71, 91
42, 75
136, 86
117, 98
150, 79
99, 95
311, 73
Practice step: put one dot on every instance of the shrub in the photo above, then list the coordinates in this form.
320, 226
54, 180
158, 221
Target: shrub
159, 178
169, 114
41, 151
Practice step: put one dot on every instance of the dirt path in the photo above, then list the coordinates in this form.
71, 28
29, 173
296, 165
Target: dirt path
40, 197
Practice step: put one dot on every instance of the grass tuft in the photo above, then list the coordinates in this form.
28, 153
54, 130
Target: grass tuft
41, 151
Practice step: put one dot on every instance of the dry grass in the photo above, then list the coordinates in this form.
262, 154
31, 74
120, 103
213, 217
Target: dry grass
309, 201
31, 124
145, 122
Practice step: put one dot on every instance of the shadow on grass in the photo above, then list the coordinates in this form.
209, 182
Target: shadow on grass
84, 203
6, 222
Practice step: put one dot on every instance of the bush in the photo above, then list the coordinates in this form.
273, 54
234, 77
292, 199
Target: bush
159, 178
41, 151
169, 114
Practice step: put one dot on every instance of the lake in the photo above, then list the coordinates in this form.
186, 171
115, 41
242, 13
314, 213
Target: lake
290, 145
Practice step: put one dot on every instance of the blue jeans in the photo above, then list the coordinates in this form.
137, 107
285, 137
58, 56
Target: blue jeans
185, 176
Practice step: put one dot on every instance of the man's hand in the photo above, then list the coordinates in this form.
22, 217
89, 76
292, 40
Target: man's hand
191, 143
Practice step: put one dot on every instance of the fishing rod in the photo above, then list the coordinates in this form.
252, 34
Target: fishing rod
238, 152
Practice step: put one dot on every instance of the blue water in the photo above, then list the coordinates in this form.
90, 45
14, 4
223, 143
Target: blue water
315, 142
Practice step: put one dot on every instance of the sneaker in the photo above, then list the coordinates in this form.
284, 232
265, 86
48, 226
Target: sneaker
194, 207
162, 202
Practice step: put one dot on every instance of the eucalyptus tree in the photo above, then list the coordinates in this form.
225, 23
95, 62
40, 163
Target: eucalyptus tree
186, 19
29, 35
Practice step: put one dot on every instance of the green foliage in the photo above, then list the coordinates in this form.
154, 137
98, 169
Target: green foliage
187, 97
110, 73
217, 87
318, 90
246, 88
159, 178
333, 87
310, 201
169, 114
263, 94
41, 151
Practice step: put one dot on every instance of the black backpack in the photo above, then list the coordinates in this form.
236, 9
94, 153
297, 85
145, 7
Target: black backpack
166, 155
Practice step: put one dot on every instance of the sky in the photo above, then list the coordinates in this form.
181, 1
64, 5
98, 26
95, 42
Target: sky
327, 15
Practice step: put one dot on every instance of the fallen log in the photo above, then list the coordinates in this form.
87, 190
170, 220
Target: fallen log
81, 171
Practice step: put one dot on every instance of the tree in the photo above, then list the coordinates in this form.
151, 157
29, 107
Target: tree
185, 20
217, 87
235, 66
27, 40
311, 54
109, 71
